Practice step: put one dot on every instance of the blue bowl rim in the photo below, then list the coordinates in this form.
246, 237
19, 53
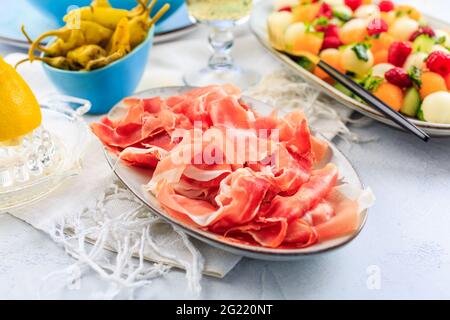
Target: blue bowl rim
149, 37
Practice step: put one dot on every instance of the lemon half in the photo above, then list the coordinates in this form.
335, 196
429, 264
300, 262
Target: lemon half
19, 110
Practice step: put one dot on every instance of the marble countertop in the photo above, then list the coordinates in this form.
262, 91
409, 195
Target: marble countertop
403, 251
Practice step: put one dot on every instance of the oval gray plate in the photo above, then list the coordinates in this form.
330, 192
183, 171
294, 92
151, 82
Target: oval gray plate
134, 178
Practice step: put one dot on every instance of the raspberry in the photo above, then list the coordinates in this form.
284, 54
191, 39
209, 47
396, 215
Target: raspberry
399, 52
439, 62
386, 6
325, 11
330, 30
398, 77
353, 4
377, 26
423, 30
286, 8
331, 42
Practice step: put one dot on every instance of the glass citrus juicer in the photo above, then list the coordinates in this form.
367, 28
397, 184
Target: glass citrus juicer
221, 16
40, 145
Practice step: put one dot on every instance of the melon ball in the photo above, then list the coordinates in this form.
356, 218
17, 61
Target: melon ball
436, 107
354, 30
351, 62
438, 47
277, 24
416, 59
367, 11
380, 69
442, 33
334, 3
403, 28
343, 10
293, 32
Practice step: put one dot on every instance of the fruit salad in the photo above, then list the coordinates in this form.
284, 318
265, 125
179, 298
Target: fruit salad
388, 49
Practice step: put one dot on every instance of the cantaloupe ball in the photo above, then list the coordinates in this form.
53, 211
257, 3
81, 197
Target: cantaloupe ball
381, 56
306, 13
390, 94
293, 32
431, 82
447, 81
351, 62
388, 17
380, 69
353, 31
367, 11
436, 107
416, 59
277, 24
383, 42
333, 58
438, 47
403, 28
442, 33
412, 12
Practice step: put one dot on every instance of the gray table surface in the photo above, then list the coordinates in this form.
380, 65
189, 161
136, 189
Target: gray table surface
403, 252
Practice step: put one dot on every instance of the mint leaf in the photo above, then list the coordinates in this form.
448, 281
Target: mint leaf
322, 21
372, 83
440, 40
305, 63
415, 74
341, 15
361, 51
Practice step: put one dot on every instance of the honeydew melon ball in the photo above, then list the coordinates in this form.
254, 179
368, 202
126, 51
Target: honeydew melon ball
277, 24
367, 11
438, 47
293, 32
415, 59
334, 3
436, 107
380, 69
442, 33
403, 28
343, 10
351, 62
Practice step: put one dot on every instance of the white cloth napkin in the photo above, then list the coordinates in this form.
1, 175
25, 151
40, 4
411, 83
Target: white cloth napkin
94, 197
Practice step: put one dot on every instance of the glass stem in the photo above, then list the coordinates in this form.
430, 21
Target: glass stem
221, 39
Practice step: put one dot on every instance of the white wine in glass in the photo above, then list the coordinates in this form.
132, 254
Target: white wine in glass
221, 16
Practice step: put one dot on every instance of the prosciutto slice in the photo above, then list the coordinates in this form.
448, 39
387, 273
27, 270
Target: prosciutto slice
220, 166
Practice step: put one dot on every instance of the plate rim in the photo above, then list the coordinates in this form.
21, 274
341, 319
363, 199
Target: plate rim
238, 248
435, 129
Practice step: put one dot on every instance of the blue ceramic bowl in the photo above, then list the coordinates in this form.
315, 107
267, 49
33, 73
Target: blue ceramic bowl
58, 8
106, 86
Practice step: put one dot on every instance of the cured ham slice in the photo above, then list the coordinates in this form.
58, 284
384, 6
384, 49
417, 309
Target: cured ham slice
238, 200
222, 167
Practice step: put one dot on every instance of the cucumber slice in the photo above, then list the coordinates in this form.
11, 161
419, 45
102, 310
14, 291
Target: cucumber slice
420, 114
343, 89
411, 102
423, 43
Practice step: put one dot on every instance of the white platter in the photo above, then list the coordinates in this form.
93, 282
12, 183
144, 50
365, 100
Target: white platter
258, 25
134, 178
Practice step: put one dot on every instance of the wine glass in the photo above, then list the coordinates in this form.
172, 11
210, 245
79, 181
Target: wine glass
221, 16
